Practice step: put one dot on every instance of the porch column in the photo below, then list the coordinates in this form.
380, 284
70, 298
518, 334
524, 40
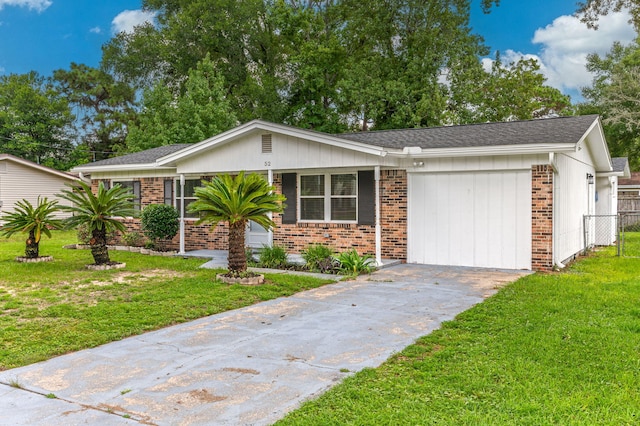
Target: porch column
270, 214
181, 214
377, 209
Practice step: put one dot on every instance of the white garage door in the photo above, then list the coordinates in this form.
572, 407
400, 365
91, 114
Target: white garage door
470, 219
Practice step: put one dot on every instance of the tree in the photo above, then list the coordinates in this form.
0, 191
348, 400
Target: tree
100, 212
513, 91
35, 221
615, 94
35, 120
105, 106
236, 200
591, 10
200, 112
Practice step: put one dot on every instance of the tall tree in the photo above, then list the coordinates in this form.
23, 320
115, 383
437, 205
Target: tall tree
592, 10
104, 104
168, 116
514, 91
35, 120
615, 94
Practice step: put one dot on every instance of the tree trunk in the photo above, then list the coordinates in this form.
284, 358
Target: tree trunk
32, 249
237, 257
99, 247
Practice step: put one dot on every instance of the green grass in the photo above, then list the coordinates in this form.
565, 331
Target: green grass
52, 308
561, 348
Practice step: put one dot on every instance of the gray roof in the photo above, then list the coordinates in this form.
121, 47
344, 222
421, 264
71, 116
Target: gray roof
143, 157
548, 130
619, 163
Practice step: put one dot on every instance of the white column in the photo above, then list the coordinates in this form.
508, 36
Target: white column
378, 228
182, 214
270, 214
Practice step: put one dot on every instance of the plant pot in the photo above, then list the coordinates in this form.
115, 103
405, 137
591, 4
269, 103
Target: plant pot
112, 265
38, 259
255, 280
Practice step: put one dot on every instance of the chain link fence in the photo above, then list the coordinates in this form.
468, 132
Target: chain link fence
622, 231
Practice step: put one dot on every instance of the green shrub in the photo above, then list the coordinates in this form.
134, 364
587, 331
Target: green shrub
134, 239
351, 263
319, 257
251, 260
273, 257
160, 222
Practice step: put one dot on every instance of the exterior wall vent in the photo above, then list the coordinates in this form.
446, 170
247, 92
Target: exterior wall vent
267, 147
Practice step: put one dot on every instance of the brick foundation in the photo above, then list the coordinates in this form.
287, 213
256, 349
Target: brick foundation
542, 218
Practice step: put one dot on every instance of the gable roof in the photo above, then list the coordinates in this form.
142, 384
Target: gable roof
31, 164
148, 156
621, 166
540, 131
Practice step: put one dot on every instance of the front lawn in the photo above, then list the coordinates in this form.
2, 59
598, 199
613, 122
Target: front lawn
560, 348
48, 309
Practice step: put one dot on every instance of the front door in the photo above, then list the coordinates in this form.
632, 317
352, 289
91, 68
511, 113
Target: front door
256, 236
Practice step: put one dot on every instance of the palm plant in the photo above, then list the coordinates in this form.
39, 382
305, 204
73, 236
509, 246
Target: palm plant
99, 212
237, 200
35, 221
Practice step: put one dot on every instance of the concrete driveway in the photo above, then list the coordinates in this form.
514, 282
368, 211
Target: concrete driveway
248, 366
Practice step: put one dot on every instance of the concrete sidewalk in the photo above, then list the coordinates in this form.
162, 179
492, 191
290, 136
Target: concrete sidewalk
247, 366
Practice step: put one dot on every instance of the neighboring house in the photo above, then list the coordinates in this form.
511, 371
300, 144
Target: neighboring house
629, 193
501, 195
23, 179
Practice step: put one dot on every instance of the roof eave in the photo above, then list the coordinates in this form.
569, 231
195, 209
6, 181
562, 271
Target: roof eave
488, 150
120, 168
27, 163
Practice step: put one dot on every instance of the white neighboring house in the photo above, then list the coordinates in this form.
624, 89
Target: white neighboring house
24, 179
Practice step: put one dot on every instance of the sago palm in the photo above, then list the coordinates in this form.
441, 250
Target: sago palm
35, 221
237, 200
100, 212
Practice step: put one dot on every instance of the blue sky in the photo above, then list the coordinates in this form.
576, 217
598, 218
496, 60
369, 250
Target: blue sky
45, 35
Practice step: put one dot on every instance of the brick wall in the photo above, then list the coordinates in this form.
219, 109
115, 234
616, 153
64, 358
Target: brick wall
296, 237
542, 218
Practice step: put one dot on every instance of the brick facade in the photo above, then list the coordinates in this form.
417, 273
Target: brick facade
542, 218
296, 237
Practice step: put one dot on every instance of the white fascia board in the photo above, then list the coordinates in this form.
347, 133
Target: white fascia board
36, 166
602, 157
609, 174
120, 168
244, 129
483, 151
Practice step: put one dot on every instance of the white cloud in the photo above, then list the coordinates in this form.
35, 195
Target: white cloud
37, 5
566, 42
96, 30
128, 19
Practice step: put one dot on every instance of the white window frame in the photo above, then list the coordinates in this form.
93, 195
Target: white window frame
327, 197
177, 198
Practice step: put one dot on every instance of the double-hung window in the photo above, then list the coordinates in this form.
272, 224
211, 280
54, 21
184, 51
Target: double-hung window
329, 197
134, 187
189, 195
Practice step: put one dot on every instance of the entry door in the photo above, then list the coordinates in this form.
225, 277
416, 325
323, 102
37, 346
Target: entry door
256, 236
470, 219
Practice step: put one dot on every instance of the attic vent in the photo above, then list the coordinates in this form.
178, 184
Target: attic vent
266, 144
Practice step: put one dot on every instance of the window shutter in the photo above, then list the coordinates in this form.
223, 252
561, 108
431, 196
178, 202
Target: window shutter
366, 198
168, 192
289, 181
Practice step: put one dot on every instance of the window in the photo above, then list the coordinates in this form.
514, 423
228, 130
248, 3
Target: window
189, 195
134, 187
329, 197
168, 192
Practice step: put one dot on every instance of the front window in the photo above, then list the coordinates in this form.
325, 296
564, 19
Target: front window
329, 197
134, 187
189, 195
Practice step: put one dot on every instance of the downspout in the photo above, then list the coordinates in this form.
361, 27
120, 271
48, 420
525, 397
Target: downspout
270, 214
377, 213
182, 215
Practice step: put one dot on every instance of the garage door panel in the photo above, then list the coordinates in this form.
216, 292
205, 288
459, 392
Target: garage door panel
470, 219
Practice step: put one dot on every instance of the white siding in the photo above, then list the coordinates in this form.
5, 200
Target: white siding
573, 198
288, 153
470, 219
19, 182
